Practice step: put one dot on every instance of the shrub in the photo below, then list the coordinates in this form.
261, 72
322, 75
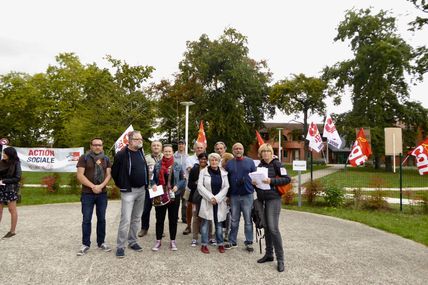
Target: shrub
376, 201
75, 186
288, 197
312, 189
52, 182
358, 197
424, 203
334, 195
113, 192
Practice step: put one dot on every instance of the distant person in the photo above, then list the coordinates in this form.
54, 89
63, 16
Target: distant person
10, 175
181, 157
198, 148
151, 159
169, 174
271, 201
213, 185
94, 173
131, 174
241, 194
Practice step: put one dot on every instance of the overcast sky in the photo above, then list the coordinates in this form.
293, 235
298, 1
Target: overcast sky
293, 36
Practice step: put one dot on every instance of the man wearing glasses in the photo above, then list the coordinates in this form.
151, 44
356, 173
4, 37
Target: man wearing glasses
94, 172
131, 174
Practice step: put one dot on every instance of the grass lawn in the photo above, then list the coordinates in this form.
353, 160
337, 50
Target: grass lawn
37, 196
409, 225
36, 177
369, 177
414, 195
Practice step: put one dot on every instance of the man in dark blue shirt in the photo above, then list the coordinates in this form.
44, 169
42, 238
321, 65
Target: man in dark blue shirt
130, 174
241, 195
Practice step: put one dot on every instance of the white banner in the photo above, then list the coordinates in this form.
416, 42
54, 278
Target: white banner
123, 140
39, 159
330, 132
314, 138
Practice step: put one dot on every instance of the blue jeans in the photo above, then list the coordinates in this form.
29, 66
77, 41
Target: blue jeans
130, 216
205, 224
244, 204
89, 200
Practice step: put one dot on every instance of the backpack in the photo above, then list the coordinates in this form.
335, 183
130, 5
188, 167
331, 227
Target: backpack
258, 217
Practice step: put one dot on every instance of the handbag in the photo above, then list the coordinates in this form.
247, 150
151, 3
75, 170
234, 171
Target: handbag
282, 189
165, 198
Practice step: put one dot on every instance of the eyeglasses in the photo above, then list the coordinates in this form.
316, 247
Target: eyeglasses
137, 139
97, 145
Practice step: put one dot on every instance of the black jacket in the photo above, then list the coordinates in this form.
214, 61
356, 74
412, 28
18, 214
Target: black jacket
120, 171
274, 173
193, 184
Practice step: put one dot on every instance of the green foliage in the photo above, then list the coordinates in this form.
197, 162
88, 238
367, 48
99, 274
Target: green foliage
377, 76
71, 103
75, 186
229, 89
300, 94
334, 196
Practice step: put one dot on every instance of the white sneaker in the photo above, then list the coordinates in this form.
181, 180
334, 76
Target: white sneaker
104, 247
83, 250
194, 243
157, 245
173, 246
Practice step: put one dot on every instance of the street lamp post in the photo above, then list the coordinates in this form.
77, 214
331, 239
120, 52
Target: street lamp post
279, 143
187, 104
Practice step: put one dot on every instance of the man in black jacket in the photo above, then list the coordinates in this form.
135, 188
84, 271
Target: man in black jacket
130, 174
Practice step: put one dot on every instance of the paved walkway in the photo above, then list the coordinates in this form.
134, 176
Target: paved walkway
319, 250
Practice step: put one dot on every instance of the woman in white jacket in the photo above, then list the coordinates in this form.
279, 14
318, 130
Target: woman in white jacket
213, 185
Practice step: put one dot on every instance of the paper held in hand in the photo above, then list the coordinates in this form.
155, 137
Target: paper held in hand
259, 176
158, 192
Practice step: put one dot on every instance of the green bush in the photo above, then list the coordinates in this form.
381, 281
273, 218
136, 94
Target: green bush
334, 196
376, 201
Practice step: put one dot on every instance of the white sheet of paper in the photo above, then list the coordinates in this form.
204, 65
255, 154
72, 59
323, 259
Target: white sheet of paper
283, 171
259, 176
158, 192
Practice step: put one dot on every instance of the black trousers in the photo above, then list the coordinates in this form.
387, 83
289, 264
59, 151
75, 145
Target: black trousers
172, 209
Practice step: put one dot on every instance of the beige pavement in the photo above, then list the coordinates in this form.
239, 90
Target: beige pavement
319, 250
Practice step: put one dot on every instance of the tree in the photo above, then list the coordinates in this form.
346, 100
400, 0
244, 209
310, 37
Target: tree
73, 102
229, 88
24, 110
376, 74
300, 94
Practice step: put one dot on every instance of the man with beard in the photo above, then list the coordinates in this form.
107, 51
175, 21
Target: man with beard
94, 172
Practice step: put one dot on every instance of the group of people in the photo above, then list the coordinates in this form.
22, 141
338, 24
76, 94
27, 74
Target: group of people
214, 189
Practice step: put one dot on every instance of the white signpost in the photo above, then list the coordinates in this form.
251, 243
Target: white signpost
299, 166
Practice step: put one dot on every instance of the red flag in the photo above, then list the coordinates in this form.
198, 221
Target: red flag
259, 138
361, 150
421, 154
201, 134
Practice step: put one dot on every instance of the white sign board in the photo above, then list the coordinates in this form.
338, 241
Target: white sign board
299, 165
40, 159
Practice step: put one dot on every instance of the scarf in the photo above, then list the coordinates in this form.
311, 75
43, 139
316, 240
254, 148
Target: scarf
99, 171
165, 164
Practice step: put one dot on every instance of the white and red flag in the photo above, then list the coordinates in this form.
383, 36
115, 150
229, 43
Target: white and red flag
122, 141
361, 150
201, 134
421, 154
260, 140
314, 138
330, 132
